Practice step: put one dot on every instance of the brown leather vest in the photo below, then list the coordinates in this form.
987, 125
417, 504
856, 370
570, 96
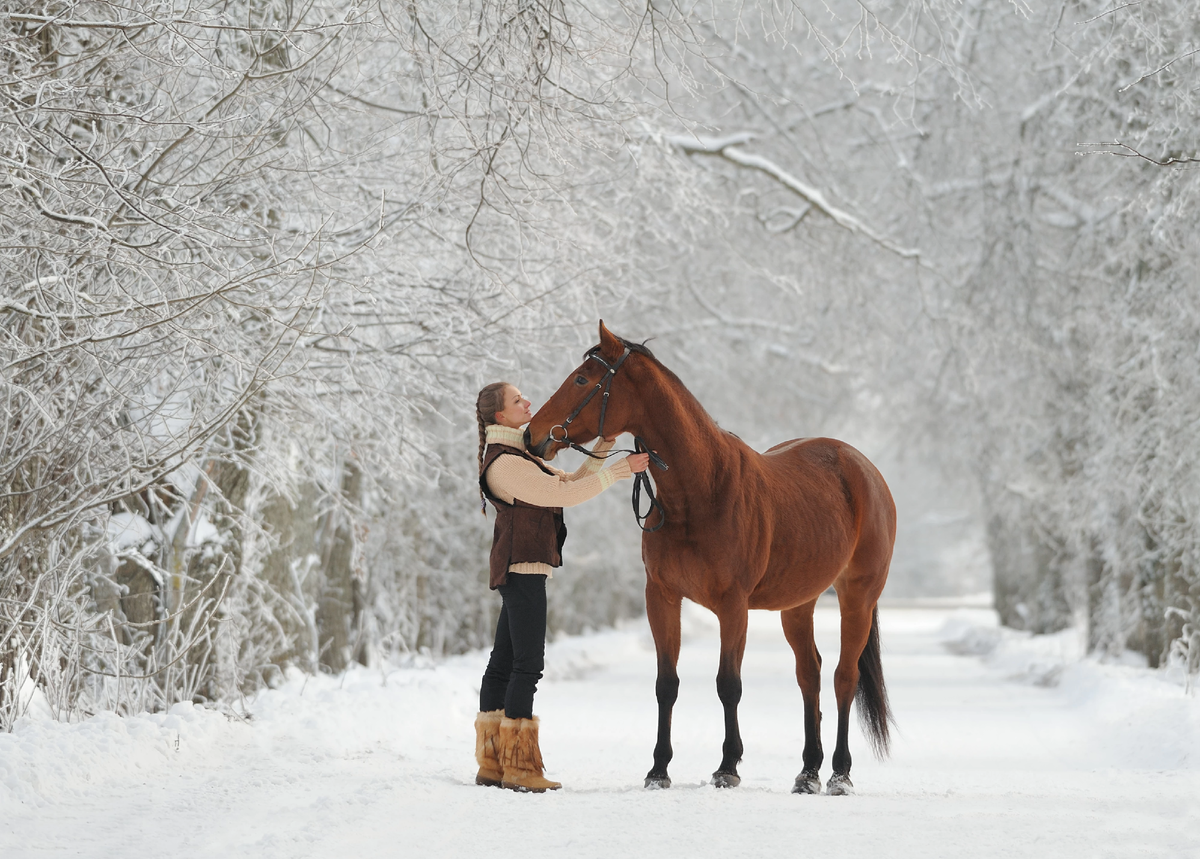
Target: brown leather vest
524, 532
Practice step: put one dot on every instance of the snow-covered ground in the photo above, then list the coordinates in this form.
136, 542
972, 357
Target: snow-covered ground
1006, 746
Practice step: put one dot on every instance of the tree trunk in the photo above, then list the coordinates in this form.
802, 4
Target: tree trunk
339, 613
1027, 575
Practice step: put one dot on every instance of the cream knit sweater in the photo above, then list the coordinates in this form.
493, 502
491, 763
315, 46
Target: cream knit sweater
511, 477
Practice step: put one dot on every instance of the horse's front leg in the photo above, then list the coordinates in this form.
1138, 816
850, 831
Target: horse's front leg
662, 609
734, 618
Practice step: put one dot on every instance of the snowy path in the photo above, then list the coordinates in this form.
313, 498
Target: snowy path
1106, 763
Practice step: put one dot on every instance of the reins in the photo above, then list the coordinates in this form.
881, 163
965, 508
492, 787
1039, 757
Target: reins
641, 479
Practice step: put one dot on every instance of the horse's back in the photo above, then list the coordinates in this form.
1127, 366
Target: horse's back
833, 498
824, 454
786, 445
864, 488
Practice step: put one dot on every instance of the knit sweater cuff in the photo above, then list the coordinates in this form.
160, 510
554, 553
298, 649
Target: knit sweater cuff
619, 470
592, 465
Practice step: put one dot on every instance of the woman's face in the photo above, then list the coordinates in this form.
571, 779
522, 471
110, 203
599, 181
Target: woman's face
516, 409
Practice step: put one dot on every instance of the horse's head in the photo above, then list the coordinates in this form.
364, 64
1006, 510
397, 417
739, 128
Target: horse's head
579, 410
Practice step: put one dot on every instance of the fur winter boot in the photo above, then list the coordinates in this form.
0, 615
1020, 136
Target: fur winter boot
487, 748
521, 757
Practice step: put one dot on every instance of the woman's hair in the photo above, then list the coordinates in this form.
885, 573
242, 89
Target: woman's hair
489, 401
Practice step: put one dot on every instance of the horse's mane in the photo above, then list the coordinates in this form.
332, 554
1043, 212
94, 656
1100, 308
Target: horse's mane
687, 395
640, 348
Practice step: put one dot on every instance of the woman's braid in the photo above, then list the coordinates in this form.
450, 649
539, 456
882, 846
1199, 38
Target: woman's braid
482, 444
489, 401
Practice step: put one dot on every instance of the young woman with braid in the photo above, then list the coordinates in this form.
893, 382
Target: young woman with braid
527, 544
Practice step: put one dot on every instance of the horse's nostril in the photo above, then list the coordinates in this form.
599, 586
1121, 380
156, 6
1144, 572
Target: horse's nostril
527, 437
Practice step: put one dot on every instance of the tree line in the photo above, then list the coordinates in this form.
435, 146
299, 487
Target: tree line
258, 256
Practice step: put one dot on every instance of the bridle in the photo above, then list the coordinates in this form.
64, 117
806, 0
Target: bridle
641, 480
603, 385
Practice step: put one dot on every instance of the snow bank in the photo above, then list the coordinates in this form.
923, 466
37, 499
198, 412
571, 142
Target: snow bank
1017, 747
308, 720
47, 762
1141, 718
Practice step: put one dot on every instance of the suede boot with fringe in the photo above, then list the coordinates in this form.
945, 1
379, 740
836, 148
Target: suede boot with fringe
487, 748
522, 758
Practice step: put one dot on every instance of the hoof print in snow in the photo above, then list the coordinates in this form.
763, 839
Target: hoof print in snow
807, 783
839, 785
721, 779
658, 782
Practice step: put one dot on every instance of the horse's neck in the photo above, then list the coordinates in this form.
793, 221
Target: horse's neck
687, 439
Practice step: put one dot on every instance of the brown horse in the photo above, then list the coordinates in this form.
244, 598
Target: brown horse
737, 530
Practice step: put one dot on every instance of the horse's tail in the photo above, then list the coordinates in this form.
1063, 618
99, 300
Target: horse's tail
874, 713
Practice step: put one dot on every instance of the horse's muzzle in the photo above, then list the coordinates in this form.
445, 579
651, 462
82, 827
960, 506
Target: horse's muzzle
538, 450
545, 448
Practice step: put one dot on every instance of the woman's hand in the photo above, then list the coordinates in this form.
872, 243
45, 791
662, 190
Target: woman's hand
638, 461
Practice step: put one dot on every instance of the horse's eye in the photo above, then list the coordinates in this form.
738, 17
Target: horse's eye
581, 380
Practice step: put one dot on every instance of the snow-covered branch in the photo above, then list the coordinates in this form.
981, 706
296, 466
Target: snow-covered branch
730, 148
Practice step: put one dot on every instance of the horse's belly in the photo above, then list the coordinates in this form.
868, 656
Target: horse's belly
780, 593
796, 577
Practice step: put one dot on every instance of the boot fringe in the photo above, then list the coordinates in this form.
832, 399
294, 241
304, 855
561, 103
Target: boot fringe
524, 754
521, 757
487, 748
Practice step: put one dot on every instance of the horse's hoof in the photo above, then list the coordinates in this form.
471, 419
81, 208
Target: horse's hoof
721, 779
808, 783
839, 785
657, 782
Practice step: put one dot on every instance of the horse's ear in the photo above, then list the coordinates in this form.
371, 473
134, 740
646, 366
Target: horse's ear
610, 346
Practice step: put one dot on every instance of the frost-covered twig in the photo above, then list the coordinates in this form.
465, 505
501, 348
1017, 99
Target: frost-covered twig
1126, 151
730, 149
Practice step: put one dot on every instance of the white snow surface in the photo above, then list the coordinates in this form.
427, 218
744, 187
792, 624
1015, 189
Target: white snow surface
1006, 746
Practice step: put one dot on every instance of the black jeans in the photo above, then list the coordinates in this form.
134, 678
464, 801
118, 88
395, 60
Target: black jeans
518, 656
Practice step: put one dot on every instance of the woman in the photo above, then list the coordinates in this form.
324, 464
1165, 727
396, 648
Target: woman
528, 496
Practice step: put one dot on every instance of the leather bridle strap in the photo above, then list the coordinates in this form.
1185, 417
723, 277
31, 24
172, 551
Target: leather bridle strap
641, 480
603, 385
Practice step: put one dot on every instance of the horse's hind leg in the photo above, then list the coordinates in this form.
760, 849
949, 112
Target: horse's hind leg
734, 619
798, 629
857, 620
662, 609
